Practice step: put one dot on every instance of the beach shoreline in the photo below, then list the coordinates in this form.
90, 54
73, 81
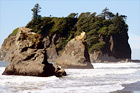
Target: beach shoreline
129, 88
105, 78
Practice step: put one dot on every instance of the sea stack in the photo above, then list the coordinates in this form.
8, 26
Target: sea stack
75, 54
29, 57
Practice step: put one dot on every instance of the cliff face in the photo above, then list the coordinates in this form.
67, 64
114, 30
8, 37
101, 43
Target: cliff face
119, 47
116, 48
7, 48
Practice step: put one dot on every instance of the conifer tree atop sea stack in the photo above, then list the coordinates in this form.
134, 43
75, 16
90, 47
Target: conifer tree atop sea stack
36, 10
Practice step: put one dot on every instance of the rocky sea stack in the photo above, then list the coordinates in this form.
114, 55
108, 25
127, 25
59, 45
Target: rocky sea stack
29, 57
75, 54
106, 36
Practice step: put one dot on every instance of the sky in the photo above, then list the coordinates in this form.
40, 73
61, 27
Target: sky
17, 13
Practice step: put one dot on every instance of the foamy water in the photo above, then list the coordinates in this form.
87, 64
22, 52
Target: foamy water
105, 77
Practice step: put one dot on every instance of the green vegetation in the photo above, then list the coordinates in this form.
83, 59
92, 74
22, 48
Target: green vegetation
103, 25
97, 46
14, 32
62, 27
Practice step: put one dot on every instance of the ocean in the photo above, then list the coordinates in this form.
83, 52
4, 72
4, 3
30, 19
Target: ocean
104, 78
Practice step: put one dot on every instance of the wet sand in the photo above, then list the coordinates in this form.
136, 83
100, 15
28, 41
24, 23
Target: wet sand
130, 88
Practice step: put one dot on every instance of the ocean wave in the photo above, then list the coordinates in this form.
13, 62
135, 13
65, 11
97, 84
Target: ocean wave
106, 77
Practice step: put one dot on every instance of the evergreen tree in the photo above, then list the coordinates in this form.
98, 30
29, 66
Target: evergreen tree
36, 10
73, 15
107, 14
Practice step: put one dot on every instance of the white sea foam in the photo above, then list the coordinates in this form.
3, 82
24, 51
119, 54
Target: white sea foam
116, 65
84, 89
106, 77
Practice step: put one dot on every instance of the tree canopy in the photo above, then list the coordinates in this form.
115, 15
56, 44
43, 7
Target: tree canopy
103, 25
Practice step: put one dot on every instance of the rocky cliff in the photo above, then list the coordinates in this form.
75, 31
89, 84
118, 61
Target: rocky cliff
116, 49
7, 48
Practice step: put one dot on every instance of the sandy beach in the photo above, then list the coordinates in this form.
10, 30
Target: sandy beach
130, 88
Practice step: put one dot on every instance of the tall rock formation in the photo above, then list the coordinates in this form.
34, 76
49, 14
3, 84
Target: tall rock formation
75, 54
29, 57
